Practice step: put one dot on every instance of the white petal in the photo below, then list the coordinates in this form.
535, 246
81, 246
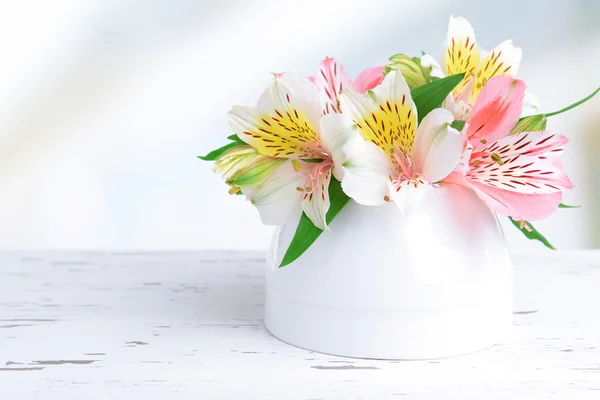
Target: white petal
316, 203
242, 119
428, 61
425, 134
336, 130
278, 199
459, 108
355, 105
366, 173
459, 28
394, 88
438, 147
450, 103
408, 194
510, 55
303, 94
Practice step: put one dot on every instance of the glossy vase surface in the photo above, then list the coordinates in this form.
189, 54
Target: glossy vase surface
433, 284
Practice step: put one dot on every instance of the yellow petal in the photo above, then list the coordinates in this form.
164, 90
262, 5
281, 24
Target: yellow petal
503, 60
281, 129
388, 117
461, 54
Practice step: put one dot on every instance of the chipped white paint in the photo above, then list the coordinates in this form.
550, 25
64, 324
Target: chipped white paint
103, 325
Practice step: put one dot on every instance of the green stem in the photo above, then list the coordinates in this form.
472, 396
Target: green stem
574, 104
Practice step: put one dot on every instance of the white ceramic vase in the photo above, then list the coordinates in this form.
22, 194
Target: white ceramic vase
435, 284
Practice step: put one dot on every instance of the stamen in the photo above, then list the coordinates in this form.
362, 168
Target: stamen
296, 165
404, 163
234, 189
314, 174
386, 198
496, 157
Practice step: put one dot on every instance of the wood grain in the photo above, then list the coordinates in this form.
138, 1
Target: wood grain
112, 325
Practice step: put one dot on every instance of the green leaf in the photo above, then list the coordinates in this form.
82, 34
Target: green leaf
458, 125
577, 103
432, 95
533, 123
235, 138
561, 205
306, 232
533, 235
213, 155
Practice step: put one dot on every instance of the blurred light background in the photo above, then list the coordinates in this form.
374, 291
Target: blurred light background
106, 104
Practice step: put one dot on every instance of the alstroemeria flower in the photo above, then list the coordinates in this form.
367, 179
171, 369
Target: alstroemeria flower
332, 79
393, 159
517, 175
461, 54
287, 124
244, 166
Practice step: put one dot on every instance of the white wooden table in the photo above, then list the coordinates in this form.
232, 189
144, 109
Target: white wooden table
119, 325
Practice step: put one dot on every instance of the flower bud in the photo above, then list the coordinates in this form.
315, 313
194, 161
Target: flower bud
412, 70
533, 123
244, 166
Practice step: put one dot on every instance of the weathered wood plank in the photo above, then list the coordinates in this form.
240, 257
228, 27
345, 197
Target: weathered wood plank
188, 325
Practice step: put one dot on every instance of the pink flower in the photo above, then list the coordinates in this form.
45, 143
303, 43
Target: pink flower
517, 175
332, 79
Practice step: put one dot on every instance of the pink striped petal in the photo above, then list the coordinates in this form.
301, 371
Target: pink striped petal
519, 206
544, 144
526, 162
368, 79
558, 163
496, 110
522, 174
330, 81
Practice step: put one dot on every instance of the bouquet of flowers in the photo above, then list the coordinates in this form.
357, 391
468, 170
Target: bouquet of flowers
391, 134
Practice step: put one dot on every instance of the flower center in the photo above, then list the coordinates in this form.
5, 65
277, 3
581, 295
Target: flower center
405, 164
313, 174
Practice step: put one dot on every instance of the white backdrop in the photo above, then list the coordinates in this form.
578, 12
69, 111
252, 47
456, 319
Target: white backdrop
105, 105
